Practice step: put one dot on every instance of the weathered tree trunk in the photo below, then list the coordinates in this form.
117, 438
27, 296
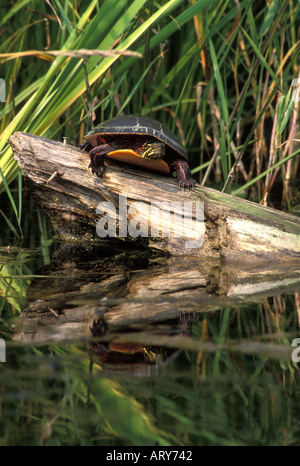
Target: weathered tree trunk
61, 182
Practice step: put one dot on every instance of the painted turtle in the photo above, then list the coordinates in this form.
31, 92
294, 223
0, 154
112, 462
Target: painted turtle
140, 141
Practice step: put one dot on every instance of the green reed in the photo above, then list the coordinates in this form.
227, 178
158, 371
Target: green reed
221, 75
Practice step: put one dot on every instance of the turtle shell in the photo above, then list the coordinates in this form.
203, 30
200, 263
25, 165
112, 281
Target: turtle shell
139, 125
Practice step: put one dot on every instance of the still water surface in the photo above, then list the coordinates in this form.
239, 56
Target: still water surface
107, 345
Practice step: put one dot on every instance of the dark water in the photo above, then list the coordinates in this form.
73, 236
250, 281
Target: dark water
108, 345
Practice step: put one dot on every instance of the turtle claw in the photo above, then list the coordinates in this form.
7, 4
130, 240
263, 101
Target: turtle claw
97, 170
187, 183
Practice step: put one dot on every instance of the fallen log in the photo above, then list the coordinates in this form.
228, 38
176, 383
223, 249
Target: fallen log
213, 224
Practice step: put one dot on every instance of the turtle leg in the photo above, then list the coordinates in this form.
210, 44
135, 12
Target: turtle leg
85, 146
183, 173
97, 155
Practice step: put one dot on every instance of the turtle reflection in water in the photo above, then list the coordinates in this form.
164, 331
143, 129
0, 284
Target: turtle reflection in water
132, 358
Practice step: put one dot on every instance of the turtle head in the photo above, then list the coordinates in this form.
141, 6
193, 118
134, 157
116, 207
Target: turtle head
153, 150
